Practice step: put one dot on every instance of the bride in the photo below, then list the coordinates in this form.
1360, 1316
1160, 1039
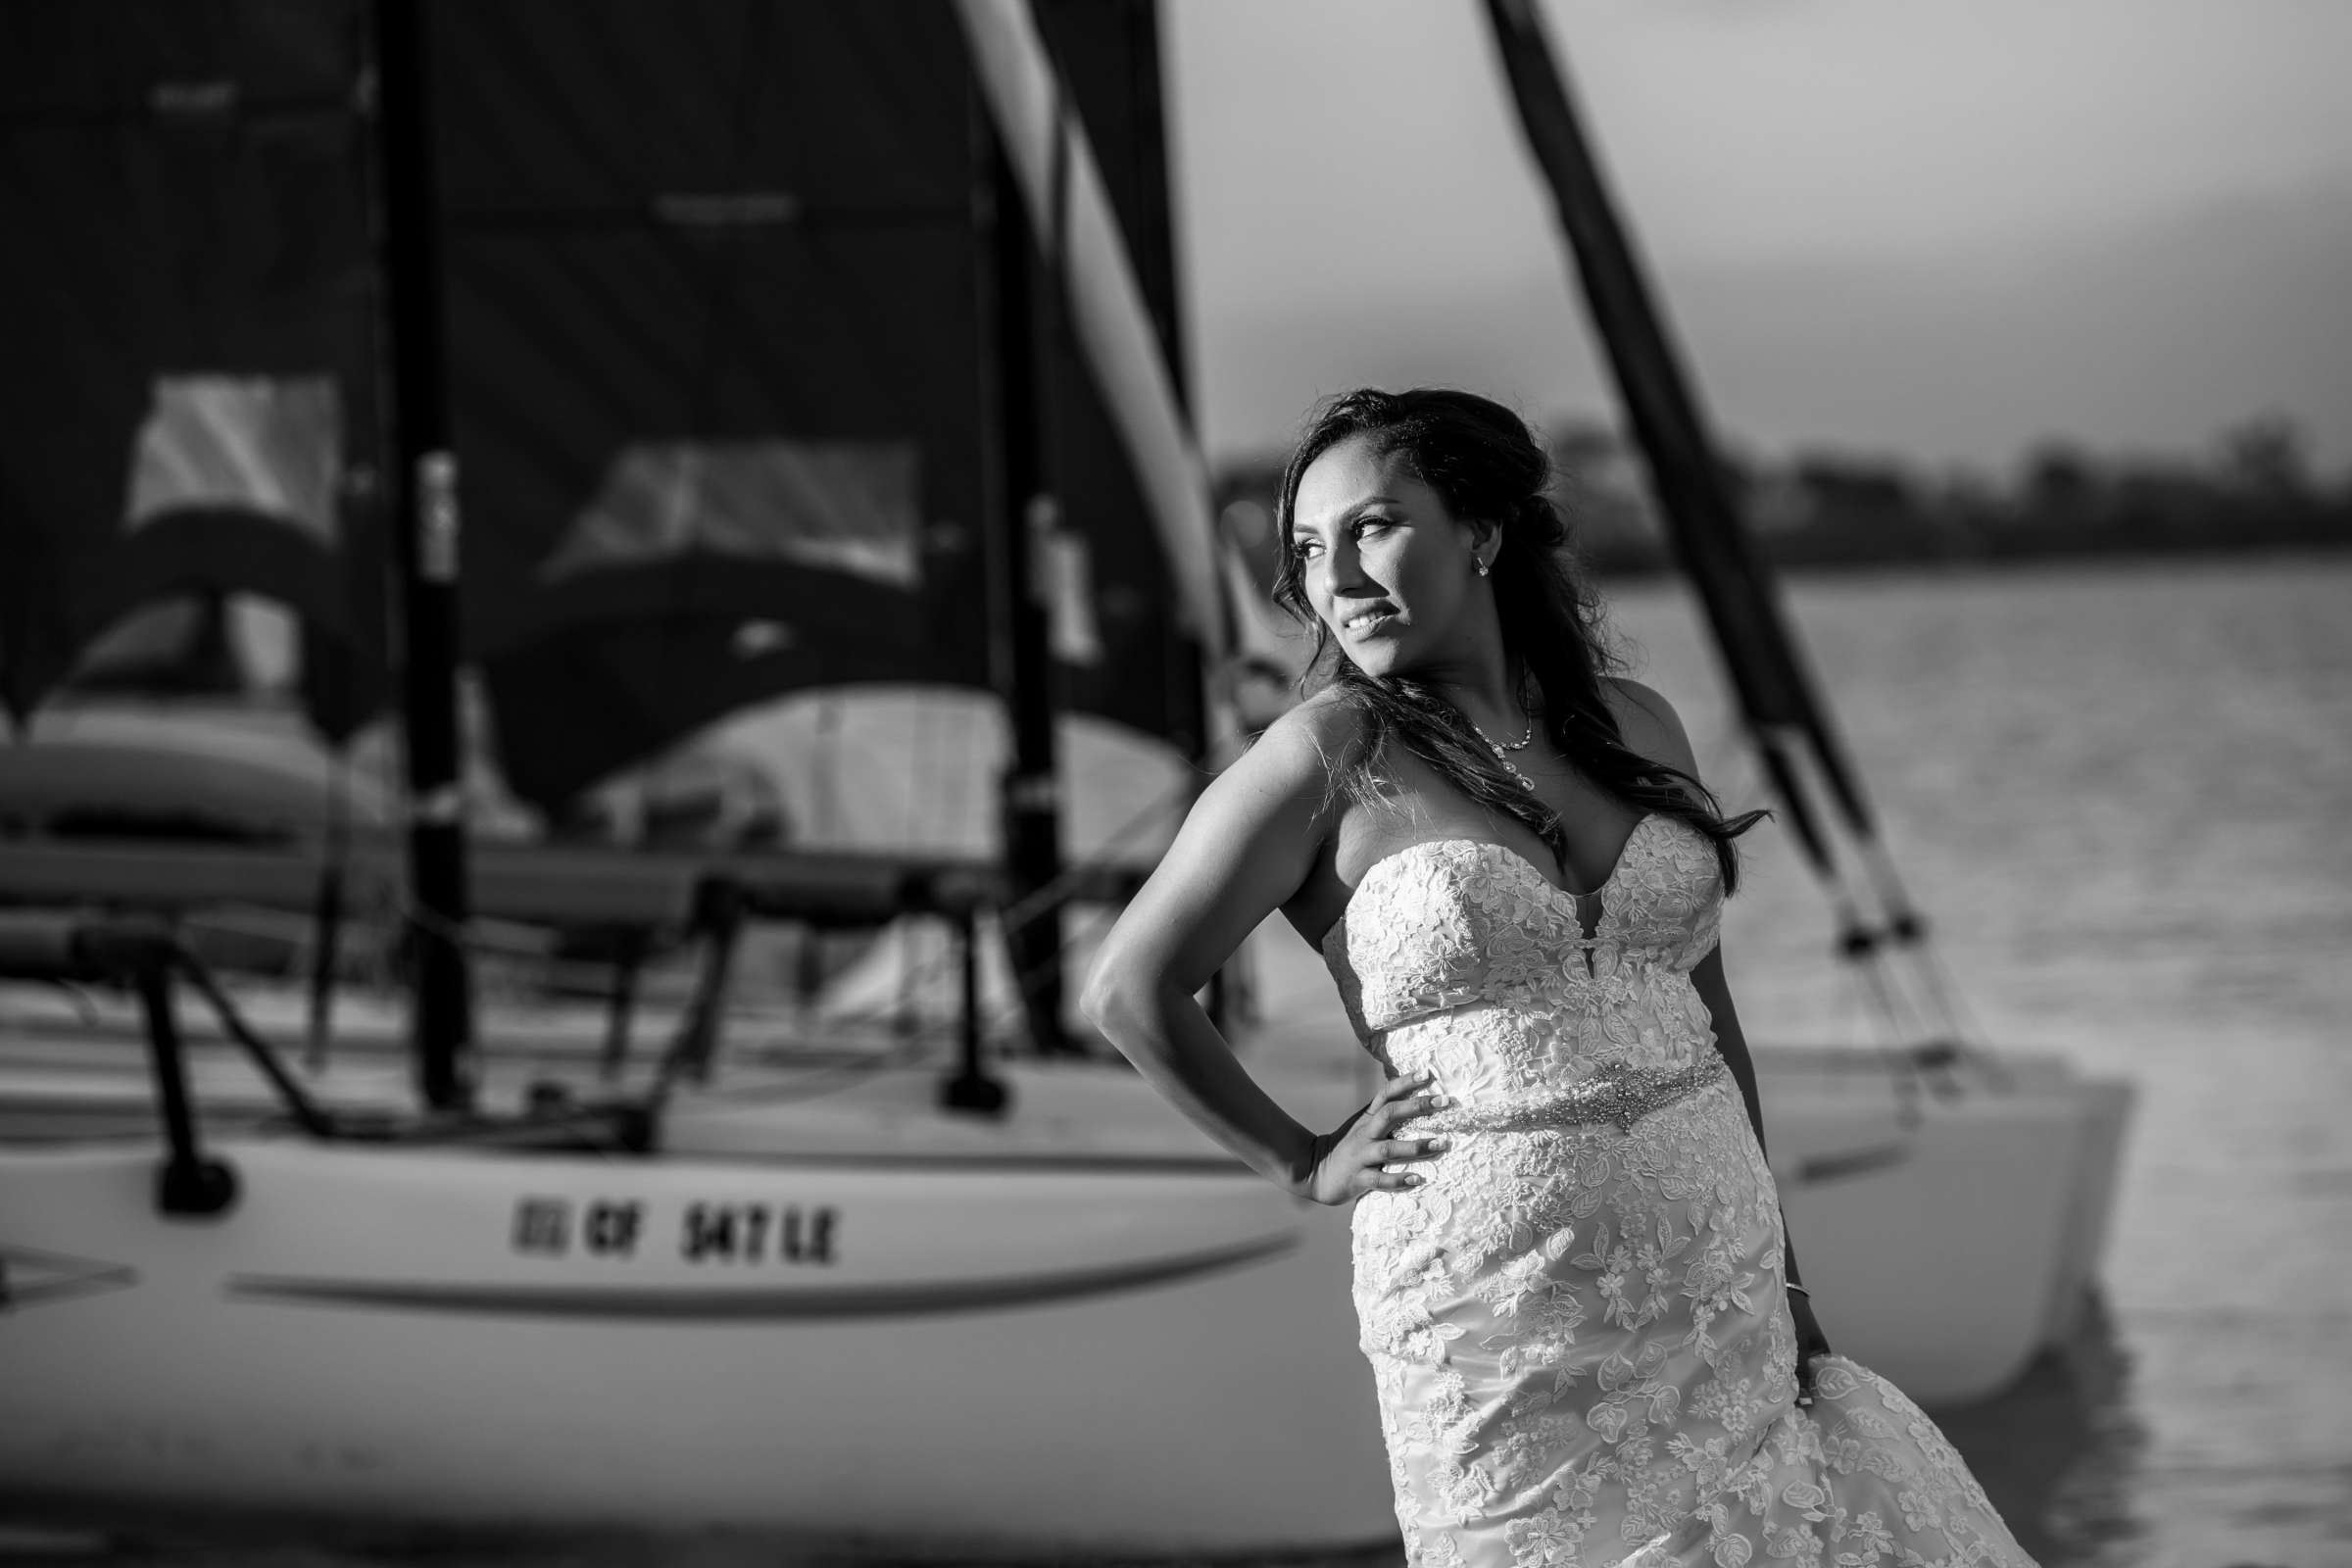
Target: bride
1586, 1326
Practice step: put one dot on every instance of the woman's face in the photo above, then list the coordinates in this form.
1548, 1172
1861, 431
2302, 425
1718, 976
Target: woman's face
1384, 565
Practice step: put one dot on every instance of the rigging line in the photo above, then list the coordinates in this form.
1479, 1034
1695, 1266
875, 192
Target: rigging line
1870, 948
775, 1023
1943, 999
834, 1077
1888, 882
1870, 969
1873, 952
1899, 926
1019, 914
1962, 1033
1795, 775
1011, 916
306, 1111
1967, 1025
1901, 1069
1853, 1026
1007, 1012
590, 975
1873, 884
1914, 935
587, 976
1022, 911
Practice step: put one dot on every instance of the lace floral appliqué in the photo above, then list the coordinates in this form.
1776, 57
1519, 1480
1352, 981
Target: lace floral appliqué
1578, 1325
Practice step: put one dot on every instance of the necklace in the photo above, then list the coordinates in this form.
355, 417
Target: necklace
1503, 749
1527, 736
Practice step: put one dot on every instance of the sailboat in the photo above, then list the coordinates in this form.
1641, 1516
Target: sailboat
926, 1314
2025, 1110
1013, 1303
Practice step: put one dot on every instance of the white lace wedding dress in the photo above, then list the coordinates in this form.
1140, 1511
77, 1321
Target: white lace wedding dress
1577, 1324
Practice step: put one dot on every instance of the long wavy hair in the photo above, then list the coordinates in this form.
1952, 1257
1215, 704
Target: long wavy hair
1484, 462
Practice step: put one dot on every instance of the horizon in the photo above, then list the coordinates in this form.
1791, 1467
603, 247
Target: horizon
2123, 227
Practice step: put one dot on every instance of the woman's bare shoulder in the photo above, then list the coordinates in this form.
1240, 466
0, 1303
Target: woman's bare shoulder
1649, 722
1254, 841
1315, 738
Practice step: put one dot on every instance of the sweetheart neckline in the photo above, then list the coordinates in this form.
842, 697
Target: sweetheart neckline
1625, 853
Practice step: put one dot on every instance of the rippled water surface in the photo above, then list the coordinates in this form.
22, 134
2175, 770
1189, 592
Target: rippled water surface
2122, 795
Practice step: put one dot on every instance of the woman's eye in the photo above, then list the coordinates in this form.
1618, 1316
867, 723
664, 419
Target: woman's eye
1305, 547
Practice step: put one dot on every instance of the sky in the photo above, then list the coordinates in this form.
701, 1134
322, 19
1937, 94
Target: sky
1938, 230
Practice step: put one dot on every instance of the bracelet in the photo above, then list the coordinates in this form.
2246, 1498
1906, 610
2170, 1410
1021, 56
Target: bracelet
1800, 1290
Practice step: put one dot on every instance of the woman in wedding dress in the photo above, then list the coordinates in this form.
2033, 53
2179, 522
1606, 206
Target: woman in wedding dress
1572, 1280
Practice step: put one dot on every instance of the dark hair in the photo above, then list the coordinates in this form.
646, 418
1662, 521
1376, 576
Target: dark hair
1485, 464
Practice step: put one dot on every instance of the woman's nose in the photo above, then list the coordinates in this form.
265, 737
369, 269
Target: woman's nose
1343, 567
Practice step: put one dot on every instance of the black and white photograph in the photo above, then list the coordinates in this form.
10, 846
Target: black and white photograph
1175, 783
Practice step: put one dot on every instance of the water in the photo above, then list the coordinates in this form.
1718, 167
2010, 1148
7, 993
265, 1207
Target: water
2120, 795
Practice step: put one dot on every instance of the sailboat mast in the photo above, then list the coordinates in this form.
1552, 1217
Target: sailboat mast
1017, 508
1776, 692
424, 506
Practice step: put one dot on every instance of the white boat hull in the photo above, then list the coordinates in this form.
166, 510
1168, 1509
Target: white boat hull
1082, 1357
1077, 1326
1935, 1269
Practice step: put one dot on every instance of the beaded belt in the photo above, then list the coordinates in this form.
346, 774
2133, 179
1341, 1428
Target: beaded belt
1614, 1092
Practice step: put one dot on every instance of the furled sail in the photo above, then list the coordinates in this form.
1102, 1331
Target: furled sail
1787, 718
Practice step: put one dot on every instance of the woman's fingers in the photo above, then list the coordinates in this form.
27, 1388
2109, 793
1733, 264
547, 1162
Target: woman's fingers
1398, 1101
1397, 1089
1403, 1111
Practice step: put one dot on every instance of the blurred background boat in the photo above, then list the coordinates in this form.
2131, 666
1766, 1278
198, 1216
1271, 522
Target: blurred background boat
832, 372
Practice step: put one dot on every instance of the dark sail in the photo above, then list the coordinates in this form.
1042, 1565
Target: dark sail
1148, 674
186, 294
714, 290
712, 315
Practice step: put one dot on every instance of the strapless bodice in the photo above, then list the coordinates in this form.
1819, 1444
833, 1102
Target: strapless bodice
1457, 956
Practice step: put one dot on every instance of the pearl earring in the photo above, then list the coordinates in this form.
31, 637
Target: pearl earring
1482, 567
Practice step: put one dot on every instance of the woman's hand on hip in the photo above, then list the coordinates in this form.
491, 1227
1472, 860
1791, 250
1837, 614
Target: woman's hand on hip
1344, 1165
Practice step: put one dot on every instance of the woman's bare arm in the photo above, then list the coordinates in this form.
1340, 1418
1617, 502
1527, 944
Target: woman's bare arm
1249, 844
1706, 977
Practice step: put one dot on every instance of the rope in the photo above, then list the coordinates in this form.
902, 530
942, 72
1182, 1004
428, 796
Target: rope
1050, 895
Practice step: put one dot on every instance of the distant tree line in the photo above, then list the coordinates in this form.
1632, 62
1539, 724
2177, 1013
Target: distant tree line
1821, 509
